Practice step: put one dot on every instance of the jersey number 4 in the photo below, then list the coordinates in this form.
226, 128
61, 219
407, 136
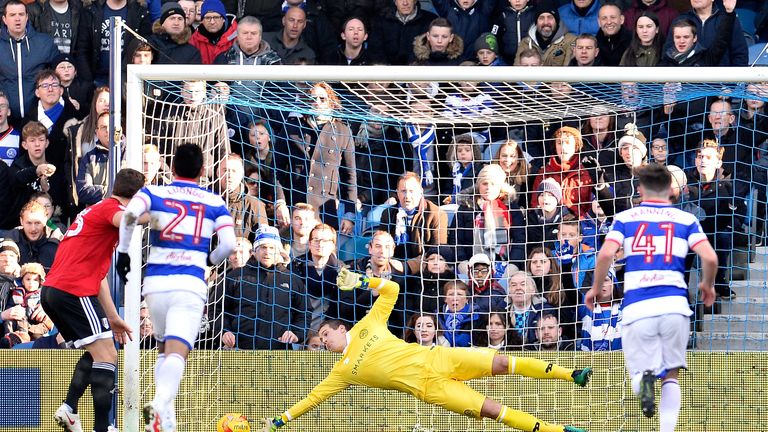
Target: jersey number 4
645, 242
182, 210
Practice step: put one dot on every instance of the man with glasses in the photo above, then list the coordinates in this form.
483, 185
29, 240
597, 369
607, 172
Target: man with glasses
24, 52
93, 172
216, 34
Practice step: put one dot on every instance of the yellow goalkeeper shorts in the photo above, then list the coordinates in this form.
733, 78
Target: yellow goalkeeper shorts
447, 368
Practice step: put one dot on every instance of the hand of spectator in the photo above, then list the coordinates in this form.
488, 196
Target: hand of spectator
347, 227
282, 214
228, 340
120, 330
589, 299
75, 103
15, 313
595, 171
39, 314
45, 170
563, 252
447, 200
707, 291
288, 337
729, 5
123, 266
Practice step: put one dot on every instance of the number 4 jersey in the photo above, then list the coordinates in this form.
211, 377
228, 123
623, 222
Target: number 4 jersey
84, 254
656, 238
183, 218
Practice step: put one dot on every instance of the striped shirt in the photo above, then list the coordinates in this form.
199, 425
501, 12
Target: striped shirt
656, 238
9, 145
184, 217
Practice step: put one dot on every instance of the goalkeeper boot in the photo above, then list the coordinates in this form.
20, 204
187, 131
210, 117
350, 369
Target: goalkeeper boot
581, 376
151, 419
573, 429
647, 394
67, 419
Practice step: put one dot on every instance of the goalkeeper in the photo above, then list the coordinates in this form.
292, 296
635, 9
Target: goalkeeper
374, 357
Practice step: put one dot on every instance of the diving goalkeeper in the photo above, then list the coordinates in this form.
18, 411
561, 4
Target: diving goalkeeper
374, 357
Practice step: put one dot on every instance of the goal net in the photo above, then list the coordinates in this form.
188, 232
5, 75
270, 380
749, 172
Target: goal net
490, 148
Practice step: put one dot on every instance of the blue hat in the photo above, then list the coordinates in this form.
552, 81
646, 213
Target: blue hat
215, 6
265, 235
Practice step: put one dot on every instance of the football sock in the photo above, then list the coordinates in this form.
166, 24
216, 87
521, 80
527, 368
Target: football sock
102, 387
536, 368
81, 378
669, 406
159, 364
526, 422
169, 376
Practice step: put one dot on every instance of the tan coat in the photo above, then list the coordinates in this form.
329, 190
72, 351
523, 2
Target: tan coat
558, 53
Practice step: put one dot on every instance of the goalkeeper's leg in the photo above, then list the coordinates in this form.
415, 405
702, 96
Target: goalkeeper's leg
519, 419
535, 368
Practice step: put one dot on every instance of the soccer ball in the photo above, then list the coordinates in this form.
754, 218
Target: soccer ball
233, 422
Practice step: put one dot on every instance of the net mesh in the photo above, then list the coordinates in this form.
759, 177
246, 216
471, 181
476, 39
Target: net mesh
389, 128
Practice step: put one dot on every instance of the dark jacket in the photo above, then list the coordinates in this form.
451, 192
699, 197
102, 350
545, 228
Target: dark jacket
468, 23
33, 53
41, 14
87, 47
423, 55
720, 42
92, 176
173, 50
300, 51
428, 227
8, 219
723, 213
322, 292
41, 251
262, 304
24, 182
339, 58
513, 26
612, 47
541, 231
391, 41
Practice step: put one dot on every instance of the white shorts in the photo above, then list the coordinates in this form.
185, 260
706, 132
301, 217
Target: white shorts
656, 343
176, 315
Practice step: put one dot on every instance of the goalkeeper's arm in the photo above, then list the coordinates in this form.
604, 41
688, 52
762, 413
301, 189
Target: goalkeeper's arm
331, 385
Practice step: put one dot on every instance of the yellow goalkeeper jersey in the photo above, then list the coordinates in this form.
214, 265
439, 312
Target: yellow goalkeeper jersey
374, 357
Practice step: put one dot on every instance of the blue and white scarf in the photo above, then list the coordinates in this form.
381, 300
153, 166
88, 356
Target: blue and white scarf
49, 116
423, 140
458, 174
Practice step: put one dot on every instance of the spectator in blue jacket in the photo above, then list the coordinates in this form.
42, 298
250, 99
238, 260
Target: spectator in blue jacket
709, 19
457, 318
24, 52
581, 16
470, 19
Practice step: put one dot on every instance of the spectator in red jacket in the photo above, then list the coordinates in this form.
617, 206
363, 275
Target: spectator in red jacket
216, 33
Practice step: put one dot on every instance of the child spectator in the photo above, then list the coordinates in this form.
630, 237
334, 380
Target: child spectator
423, 138
465, 159
439, 46
545, 215
487, 294
76, 90
435, 271
575, 257
469, 18
9, 271
595, 224
512, 160
30, 171
457, 318
632, 151
601, 327
524, 306
424, 330
487, 51
35, 322
659, 149
53, 223
513, 22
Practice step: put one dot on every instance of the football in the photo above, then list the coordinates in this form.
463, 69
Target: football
233, 422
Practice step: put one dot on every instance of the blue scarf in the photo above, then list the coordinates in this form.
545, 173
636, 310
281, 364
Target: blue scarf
422, 142
458, 176
404, 219
48, 117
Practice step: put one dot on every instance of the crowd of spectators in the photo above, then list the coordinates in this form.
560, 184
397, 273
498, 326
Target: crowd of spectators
491, 232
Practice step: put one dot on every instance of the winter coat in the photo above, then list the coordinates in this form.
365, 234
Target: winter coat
513, 26
423, 55
468, 23
40, 251
248, 212
666, 15
92, 175
390, 41
262, 304
339, 58
429, 227
612, 48
87, 47
645, 56
173, 49
7, 218
24, 182
21, 61
322, 291
574, 181
720, 42
300, 51
265, 55
462, 234
578, 23
210, 50
558, 53
723, 213
40, 15
541, 231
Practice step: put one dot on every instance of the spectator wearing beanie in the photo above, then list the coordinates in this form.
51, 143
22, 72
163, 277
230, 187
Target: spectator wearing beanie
566, 169
171, 36
632, 151
216, 32
548, 36
544, 216
78, 91
487, 50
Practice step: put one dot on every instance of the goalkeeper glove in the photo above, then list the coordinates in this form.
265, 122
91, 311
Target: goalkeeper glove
123, 266
272, 425
348, 280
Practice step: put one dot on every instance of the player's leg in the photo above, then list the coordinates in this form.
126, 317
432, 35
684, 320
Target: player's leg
642, 355
520, 419
674, 337
535, 368
102, 380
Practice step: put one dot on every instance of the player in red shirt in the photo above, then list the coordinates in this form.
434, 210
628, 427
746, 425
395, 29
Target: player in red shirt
76, 297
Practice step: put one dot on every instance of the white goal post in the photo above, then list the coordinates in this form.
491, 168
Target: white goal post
135, 138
